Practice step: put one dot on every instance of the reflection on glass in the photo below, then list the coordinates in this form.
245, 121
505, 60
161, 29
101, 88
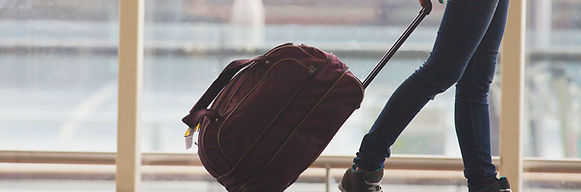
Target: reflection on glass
553, 80
189, 42
58, 75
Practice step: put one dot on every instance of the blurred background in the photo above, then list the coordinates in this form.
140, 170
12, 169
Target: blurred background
58, 69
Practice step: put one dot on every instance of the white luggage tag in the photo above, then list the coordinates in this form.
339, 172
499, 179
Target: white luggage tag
189, 136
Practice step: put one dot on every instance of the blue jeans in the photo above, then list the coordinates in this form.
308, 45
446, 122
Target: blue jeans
465, 53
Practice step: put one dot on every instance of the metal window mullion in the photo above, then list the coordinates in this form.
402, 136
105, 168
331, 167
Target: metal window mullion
512, 85
130, 53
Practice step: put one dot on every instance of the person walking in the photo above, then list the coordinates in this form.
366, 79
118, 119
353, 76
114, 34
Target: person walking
465, 53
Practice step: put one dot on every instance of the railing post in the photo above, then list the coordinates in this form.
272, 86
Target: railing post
512, 85
130, 53
328, 178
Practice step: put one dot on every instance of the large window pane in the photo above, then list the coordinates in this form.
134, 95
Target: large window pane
188, 42
553, 79
58, 75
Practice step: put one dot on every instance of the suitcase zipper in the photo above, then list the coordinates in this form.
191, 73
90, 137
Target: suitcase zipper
220, 102
311, 69
296, 128
358, 82
306, 116
287, 46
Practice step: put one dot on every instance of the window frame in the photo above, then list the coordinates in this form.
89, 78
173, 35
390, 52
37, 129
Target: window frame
129, 159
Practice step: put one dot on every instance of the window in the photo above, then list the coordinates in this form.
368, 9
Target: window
553, 80
58, 88
188, 43
58, 75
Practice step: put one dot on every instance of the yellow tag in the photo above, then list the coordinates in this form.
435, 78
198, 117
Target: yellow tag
189, 131
197, 127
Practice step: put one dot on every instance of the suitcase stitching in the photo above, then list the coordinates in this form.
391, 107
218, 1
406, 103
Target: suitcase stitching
300, 124
244, 99
288, 46
358, 82
235, 90
269, 124
203, 149
306, 116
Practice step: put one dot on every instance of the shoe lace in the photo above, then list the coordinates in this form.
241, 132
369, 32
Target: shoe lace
373, 187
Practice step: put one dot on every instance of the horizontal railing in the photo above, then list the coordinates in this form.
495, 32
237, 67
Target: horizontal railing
372, 50
181, 166
415, 162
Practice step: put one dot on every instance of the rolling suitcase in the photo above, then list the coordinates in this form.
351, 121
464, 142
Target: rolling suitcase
272, 115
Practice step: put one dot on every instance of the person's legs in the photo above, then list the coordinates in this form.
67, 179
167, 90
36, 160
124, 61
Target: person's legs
471, 108
463, 26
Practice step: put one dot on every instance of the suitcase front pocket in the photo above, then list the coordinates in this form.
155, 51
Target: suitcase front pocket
259, 108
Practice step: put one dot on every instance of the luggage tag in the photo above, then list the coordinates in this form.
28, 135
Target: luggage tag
189, 136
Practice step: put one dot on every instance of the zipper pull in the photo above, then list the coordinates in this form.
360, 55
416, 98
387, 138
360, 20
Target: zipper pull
312, 70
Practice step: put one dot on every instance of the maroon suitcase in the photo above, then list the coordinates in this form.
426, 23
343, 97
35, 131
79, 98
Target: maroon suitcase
273, 115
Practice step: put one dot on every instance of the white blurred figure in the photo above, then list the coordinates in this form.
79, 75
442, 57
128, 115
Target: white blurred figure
247, 24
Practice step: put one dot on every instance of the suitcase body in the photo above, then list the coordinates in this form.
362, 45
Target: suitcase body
276, 116
273, 115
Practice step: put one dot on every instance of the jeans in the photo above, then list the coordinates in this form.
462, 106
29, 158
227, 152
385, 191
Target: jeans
465, 53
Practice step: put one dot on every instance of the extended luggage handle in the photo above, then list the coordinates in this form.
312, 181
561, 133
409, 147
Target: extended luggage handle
200, 108
423, 13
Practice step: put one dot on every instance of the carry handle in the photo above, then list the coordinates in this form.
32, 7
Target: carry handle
200, 108
423, 12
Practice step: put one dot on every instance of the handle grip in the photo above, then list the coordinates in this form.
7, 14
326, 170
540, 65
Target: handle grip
427, 6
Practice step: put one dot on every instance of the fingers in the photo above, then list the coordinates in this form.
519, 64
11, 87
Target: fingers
423, 3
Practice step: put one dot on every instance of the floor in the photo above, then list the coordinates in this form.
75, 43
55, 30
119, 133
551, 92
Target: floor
181, 186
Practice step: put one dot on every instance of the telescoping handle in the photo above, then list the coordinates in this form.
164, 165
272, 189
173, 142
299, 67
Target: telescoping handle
423, 12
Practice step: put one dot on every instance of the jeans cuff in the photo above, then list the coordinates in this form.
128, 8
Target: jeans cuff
369, 162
